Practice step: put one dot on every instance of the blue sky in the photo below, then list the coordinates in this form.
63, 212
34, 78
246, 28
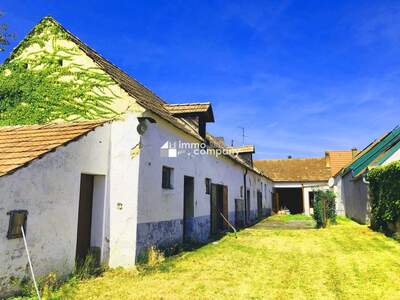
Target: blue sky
301, 76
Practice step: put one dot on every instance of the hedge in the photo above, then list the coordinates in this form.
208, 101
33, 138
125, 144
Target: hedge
324, 208
384, 189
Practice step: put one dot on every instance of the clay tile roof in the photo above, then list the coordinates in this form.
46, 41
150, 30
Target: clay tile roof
244, 149
295, 169
339, 158
183, 108
204, 109
19, 145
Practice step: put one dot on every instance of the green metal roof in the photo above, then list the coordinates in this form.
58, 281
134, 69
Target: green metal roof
381, 150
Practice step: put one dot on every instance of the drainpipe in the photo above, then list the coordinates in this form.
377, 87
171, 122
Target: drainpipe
245, 196
365, 180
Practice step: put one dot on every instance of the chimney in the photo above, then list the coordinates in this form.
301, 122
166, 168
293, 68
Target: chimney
354, 152
327, 159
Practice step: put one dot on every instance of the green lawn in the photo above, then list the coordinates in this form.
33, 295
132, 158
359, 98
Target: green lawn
346, 261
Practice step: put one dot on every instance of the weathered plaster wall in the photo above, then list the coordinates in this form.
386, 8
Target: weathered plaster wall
123, 191
49, 189
355, 198
160, 211
339, 192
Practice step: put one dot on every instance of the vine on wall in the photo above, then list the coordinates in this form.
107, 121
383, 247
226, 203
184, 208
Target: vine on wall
46, 85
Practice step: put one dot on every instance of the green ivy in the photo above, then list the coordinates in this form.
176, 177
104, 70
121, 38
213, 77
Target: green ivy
324, 208
46, 85
384, 189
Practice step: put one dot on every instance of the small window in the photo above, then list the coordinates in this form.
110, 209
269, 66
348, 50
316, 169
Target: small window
208, 186
17, 219
241, 191
167, 177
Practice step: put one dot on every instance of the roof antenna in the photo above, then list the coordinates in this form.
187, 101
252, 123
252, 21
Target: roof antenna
243, 135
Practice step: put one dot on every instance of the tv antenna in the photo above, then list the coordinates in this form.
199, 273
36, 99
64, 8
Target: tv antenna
243, 134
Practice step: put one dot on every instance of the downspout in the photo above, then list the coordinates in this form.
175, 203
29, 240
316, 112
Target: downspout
245, 196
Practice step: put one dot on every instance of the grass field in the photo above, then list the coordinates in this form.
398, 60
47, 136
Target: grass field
345, 261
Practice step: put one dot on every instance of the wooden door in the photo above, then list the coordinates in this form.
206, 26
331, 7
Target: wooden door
214, 209
84, 217
259, 204
188, 208
225, 205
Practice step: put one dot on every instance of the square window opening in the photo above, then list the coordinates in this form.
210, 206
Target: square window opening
18, 219
167, 177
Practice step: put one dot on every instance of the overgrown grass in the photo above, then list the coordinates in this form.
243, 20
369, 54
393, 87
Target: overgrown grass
345, 261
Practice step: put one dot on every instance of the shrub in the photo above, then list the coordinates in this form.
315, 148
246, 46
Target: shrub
324, 208
384, 189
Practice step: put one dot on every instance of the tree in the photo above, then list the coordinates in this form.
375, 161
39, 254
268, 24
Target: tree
5, 35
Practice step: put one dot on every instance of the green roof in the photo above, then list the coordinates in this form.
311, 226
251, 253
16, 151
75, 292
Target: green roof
376, 153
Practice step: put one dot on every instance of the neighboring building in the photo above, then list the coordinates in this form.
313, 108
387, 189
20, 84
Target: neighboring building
151, 176
350, 185
296, 179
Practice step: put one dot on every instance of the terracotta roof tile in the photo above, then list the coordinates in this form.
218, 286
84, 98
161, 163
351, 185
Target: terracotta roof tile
338, 159
19, 145
183, 108
295, 169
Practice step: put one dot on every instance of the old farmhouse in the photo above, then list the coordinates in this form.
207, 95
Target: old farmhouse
111, 168
149, 175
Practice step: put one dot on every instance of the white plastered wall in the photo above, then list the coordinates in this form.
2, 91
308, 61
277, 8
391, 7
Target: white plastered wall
48, 188
157, 204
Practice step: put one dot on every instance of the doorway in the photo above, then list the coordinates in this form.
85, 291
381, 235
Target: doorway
84, 217
259, 204
188, 208
291, 199
219, 205
90, 229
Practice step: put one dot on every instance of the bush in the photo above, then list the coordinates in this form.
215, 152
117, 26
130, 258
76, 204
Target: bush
384, 189
324, 208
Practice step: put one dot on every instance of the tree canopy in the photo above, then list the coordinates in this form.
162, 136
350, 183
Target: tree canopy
5, 35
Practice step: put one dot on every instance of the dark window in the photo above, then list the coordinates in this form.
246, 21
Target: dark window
208, 186
166, 177
17, 219
311, 199
241, 191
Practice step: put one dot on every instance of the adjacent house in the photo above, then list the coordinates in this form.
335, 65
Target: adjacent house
296, 179
130, 172
350, 185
